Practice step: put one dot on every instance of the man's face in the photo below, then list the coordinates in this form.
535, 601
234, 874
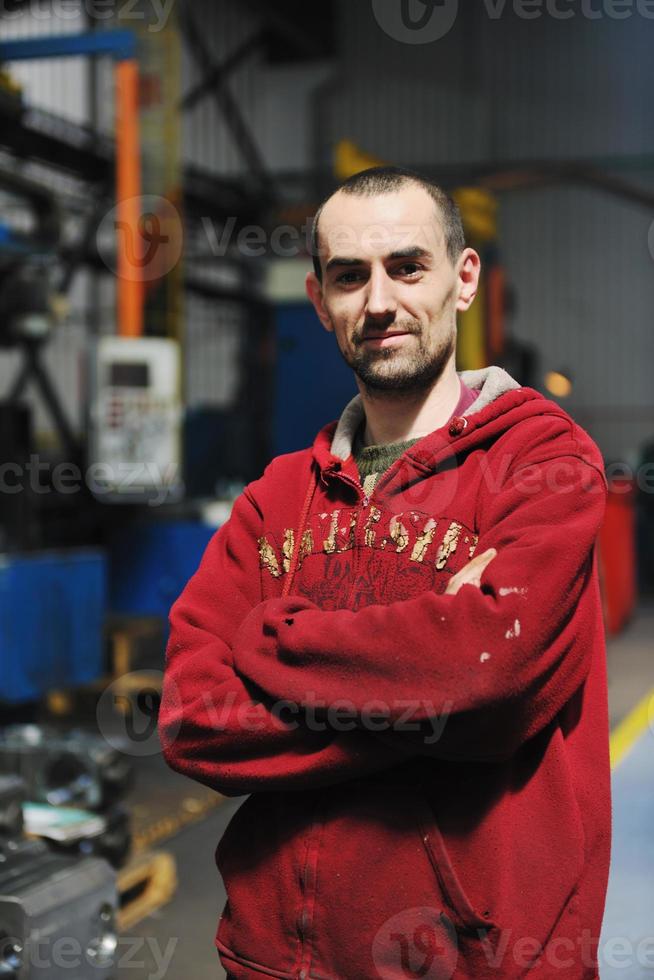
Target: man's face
390, 292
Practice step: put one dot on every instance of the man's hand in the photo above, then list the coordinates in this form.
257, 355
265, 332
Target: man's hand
471, 573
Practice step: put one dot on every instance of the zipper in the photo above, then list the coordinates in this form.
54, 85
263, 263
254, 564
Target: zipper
366, 501
308, 879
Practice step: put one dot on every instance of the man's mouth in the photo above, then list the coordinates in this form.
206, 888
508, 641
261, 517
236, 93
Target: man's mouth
385, 339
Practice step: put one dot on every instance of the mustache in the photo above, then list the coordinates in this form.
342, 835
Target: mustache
360, 335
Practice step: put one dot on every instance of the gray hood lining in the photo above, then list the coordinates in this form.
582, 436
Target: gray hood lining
491, 382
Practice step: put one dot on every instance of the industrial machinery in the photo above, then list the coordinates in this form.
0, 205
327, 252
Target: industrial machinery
57, 913
12, 794
75, 783
74, 768
45, 897
135, 419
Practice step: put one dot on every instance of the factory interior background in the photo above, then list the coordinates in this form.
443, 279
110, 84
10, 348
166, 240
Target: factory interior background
146, 382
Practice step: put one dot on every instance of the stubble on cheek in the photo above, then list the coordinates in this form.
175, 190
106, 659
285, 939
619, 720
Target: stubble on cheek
349, 338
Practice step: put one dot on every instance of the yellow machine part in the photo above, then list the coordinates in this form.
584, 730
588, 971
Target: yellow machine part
479, 213
471, 331
349, 159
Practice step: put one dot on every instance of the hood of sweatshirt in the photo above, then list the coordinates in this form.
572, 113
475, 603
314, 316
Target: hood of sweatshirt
501, 402
490, 382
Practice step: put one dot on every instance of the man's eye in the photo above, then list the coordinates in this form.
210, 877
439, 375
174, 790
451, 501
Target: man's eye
409, 269
348, 277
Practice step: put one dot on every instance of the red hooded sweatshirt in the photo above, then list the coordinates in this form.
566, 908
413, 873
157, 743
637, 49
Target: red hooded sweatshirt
429, 773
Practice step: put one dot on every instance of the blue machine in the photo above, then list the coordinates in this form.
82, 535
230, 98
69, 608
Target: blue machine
151, 562
120, 44
313, 382
52, 607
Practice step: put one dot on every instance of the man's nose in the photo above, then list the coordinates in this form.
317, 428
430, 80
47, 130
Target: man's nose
381, 296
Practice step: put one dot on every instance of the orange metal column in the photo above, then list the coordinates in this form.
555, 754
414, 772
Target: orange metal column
130, 291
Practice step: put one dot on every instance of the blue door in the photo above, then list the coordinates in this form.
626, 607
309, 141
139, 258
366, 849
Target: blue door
313, 382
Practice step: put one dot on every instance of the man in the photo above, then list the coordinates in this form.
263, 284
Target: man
395, 645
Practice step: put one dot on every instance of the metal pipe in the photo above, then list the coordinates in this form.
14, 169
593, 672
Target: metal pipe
130, 292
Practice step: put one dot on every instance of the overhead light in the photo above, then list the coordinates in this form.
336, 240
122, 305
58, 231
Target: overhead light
558, 383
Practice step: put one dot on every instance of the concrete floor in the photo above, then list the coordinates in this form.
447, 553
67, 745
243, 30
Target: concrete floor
630, 658
627, 939
177, 941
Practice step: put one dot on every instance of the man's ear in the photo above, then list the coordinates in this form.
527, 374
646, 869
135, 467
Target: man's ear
468, 269
314, 292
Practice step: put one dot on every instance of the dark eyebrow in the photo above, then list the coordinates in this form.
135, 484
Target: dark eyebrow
340, 260
411, 252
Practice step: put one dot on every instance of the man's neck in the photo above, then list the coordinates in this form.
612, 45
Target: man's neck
396, 419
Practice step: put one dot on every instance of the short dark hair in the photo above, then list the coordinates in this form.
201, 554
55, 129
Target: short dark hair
386, 180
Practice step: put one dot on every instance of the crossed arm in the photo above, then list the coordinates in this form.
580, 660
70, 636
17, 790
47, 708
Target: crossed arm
484, 666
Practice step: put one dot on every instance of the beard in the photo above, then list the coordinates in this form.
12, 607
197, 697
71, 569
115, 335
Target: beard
410, 367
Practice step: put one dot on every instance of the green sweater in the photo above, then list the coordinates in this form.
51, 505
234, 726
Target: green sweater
373, 460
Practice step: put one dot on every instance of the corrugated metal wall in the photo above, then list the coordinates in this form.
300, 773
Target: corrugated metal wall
578, 256
583, 274
206, 139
